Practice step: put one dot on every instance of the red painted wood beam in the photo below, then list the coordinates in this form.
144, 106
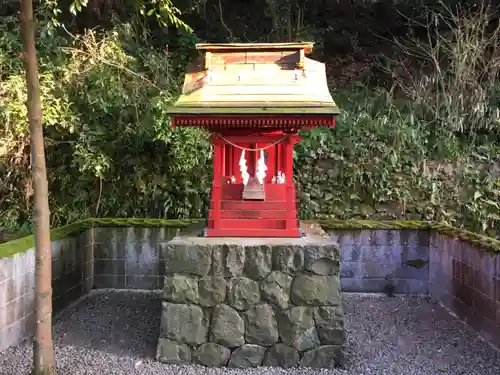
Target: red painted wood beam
278, 121
294, 233
216, 189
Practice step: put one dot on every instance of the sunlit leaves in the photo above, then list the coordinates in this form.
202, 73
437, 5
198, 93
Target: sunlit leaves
77, 6
109, 143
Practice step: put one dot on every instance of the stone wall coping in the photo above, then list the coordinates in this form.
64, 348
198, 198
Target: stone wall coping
20, 245
489, 244
251, 241
23, 244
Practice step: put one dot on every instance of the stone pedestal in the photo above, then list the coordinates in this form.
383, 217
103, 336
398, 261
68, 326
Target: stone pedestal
248, 302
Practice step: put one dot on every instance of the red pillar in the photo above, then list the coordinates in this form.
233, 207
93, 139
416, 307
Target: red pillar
216, 193
223, 160
290, 198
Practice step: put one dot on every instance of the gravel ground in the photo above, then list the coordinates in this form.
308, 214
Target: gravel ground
116, 333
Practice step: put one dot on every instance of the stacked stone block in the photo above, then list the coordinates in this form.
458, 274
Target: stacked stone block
243, 306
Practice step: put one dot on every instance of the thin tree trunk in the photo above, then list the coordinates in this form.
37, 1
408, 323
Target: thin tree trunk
43, 351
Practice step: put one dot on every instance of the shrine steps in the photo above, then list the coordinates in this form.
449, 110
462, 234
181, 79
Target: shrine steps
272, 217
250, 224
274, 192
250, 214
239, 205
253, 223
291, 233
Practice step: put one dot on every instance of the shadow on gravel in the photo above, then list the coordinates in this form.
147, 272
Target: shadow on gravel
123, 324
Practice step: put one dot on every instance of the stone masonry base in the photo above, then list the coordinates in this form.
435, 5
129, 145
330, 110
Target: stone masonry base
241, 302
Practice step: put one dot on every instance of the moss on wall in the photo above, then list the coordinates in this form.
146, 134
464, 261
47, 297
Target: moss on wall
491, 245
19, 245
374, 224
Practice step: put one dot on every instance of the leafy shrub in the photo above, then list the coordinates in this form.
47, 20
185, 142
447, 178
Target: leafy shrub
405, 156
382, 161
110, 147
457, 87
111, 150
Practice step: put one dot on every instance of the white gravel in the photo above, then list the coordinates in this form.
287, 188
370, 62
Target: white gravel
116, 333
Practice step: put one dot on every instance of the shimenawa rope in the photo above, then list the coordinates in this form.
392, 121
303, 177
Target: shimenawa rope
252, 149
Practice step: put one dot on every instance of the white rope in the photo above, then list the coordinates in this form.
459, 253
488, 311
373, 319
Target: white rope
252, 149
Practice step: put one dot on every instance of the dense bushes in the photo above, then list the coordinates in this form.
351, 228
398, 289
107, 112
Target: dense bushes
427, 148
111, 150
382, 162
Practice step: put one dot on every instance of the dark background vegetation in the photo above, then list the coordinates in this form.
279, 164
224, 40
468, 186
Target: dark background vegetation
417, 83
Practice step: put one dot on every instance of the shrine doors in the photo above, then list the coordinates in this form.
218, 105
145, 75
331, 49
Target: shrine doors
272, 157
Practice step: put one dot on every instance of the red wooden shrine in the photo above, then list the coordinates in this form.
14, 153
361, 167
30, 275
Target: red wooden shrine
254, 99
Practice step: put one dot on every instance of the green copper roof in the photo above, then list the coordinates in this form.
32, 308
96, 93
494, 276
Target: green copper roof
265, 78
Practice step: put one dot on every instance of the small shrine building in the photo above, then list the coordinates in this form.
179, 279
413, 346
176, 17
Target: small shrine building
254, 99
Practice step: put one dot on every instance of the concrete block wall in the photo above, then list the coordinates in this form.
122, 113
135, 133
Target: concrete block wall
72, 269
72, 277
130, 258
380, 261
466, 280
370, 260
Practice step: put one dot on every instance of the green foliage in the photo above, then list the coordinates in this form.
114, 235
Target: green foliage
398, 151
425, 149
383, 162
460, 88
110, 148
163, 11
